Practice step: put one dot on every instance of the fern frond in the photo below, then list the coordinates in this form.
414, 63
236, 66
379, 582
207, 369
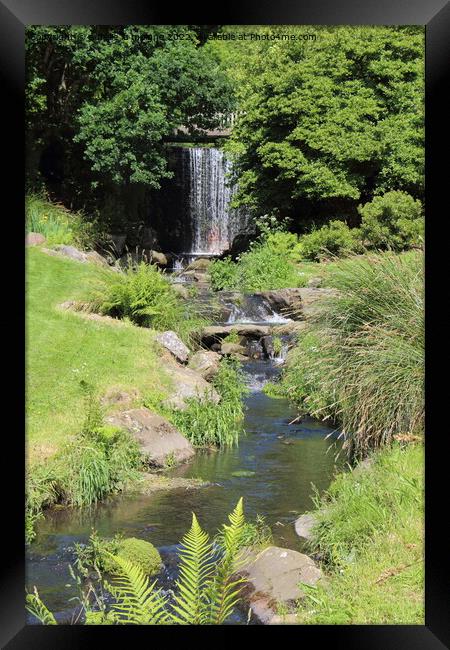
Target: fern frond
138, 602
37, 608
224, 593
196, 566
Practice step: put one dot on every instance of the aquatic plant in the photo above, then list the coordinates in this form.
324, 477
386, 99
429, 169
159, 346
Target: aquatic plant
207, 590
206, 423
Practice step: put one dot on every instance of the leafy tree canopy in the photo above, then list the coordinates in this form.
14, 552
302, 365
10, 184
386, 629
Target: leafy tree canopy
118, 93
325, 124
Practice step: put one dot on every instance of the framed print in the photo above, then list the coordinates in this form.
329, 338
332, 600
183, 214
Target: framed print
225, 287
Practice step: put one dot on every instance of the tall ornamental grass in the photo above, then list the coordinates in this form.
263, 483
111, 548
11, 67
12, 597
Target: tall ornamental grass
361, 363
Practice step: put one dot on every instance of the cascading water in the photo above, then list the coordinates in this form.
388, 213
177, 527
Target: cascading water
213, 223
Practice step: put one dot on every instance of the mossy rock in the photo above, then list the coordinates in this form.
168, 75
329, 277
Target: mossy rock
140, 553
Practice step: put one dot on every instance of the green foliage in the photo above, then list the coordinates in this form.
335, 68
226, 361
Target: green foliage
206, 590
362, 362
57, 224
264, 267
99, 460
143, 294
334, 239
327, 123
112, 96
205, 423
370, 533
140, 553
393, 221
39, 610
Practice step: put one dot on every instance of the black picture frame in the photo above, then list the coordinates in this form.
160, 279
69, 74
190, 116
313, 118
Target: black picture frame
15, 15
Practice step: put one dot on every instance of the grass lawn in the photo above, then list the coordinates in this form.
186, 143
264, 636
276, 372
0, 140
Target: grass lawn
64, 348
372, 532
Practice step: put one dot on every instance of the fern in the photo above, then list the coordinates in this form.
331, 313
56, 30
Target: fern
37, 608
138, 602
225, 593
207, 593
196, 565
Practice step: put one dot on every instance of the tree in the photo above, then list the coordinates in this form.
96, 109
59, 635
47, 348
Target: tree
111, 96
329, 123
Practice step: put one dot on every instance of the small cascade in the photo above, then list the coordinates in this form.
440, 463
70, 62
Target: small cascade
278, 358
250, 308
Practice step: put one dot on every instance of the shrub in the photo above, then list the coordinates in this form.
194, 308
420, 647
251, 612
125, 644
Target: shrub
362, 362
143, 294
392, 221
335, 239
259, 269
205, 423
285, 244
57, 224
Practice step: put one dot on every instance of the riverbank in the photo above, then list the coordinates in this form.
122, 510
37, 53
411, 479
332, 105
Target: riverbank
369, 531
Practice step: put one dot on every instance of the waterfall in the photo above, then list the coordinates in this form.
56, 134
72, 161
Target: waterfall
213, 223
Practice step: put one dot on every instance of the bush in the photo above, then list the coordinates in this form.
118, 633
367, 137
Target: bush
362, 362
143, 294
334, 239
260, 269
57, 224
285, 244
392, 221
205, 423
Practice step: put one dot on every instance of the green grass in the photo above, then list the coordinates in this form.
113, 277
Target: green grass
57, 224
64, 348
361, 362
370, 533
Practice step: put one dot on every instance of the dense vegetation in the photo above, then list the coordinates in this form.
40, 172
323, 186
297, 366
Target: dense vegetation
205, 423
206, 594
361, 363
102, 101
143, 294
327, 124
370, 532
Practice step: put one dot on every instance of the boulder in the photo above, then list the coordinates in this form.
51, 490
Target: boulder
205, 362
34, 239
187, 384
267, 345
200, 264
158, 258
118, 397
284, 301
213, 333
273, 577
232, 348
158, 439
96, 258
71, 252
171, 341
304, 525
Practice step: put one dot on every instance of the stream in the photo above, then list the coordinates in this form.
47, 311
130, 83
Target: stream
274, 468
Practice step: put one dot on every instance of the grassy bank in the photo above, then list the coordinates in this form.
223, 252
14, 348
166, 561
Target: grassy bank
361, 362
369, 532
65, 349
